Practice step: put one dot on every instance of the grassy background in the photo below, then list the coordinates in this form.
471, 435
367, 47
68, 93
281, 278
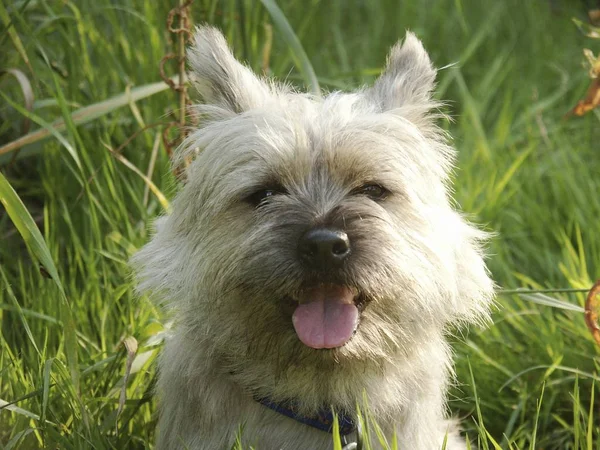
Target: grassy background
525, 173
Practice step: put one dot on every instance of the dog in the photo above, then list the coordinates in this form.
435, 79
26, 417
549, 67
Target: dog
313, 262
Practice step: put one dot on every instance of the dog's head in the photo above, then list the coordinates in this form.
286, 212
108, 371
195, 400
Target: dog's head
315, 229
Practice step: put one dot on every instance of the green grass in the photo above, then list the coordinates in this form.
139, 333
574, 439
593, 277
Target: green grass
514, 69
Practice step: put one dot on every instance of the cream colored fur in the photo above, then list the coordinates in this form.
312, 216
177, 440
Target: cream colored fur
225, 270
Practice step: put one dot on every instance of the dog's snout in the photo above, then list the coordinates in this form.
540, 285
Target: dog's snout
324, 247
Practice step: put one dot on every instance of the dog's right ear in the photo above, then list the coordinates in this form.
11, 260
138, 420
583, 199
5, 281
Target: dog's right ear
407, 79
219, 77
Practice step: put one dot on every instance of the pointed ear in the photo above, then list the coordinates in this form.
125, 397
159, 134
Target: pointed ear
219, 77
408, 77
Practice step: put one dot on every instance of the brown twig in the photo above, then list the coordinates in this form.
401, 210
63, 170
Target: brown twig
161, 70
184, 34
591, 311
169, 143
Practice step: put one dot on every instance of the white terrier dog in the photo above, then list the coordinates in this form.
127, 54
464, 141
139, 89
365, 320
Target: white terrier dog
312, 260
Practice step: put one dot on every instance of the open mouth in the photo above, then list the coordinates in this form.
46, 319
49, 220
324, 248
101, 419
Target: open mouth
327, 315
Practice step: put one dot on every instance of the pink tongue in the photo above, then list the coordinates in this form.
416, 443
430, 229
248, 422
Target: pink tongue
326, 317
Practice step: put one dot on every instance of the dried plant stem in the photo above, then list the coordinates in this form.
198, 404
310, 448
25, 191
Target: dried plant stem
182, 38
183, 32
591, 311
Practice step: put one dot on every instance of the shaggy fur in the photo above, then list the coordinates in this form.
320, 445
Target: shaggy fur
229, 273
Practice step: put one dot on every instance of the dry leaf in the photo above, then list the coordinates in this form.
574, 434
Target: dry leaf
591, 100
592, 97
591, 311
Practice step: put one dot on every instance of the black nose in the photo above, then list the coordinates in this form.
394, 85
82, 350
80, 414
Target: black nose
324, 247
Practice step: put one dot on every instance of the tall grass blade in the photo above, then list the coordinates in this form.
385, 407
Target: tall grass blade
35, 242
14, 36
11, 407
335, 432
12, 297
590, 424
84, 115
576, 414
49, 128
159, 195
12, 444
298, 53
26, 89
545, 300
537, 417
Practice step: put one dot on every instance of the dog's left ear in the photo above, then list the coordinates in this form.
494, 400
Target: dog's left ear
219, 77
408, 77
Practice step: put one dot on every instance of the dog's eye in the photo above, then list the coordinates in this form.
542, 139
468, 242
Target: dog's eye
373, 191
260, 197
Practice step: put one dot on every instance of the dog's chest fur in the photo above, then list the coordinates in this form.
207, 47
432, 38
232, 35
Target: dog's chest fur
207, 410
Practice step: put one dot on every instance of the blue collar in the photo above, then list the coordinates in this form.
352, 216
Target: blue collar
323, 420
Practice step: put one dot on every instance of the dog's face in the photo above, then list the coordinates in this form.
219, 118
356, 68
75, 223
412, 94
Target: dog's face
314, 231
